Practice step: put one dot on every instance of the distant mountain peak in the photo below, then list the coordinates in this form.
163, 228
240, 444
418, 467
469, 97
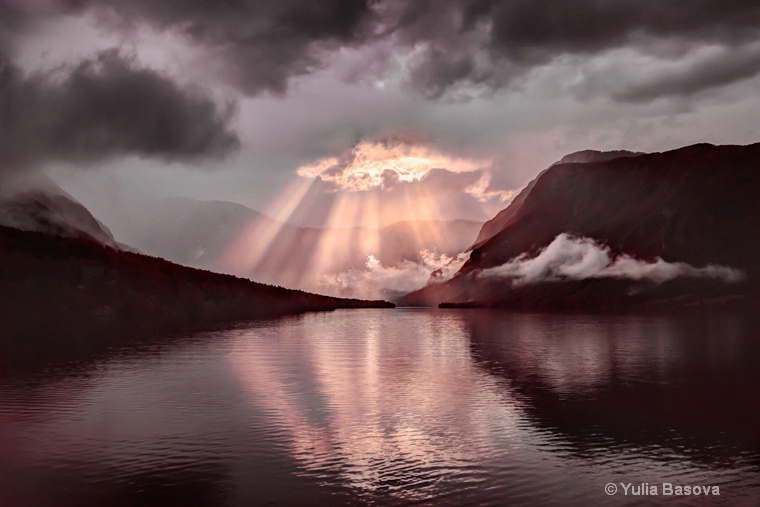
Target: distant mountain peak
585, 156
42, 206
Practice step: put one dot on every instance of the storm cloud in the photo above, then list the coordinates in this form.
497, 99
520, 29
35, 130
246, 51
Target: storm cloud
490, 43
715, 67
434, 46
255, 45
537, 79
105, 107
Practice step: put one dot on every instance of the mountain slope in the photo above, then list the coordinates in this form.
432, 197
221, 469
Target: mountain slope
508, 214
52, 286
696, 205
191, 232
46, 208
231, 238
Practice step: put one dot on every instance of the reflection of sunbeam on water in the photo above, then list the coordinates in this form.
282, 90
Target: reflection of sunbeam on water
405, 409
363, 409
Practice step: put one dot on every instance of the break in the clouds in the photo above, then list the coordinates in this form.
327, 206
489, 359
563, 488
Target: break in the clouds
385, 163
520, 83
403, 178
104, 107
574, 258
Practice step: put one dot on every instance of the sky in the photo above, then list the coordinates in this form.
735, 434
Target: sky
348, 112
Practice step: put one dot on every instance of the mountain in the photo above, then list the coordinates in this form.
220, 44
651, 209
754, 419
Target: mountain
44, 207
231, 238
55, 288
190, 232
664, 229
403, 241
505, 216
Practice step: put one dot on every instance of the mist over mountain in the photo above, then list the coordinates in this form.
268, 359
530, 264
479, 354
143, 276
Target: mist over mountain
226, 237
638, 230
42, 206
63, 273
187, 231
231, 238
594, 231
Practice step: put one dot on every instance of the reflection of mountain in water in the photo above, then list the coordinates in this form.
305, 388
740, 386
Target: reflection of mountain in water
394, 407
612, 383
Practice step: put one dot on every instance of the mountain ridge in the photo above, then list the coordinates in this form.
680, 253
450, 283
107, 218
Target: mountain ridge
42, 206
55, 287
694, 205
232, 238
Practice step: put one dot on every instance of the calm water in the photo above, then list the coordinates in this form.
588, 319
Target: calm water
394, 407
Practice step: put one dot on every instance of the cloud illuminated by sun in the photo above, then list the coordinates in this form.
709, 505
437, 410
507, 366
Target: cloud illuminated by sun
352, 198
384, 163
481, 190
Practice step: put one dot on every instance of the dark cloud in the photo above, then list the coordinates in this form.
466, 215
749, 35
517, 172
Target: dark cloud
528, 29
435, 71
260, 44
257, 45
719, 69
18, 17
490, 42
105, 107
12, 22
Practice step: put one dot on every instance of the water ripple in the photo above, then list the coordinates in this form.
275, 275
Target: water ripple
403, 407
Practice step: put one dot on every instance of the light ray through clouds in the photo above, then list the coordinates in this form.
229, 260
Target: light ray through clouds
254, 244
356, 195
385, 162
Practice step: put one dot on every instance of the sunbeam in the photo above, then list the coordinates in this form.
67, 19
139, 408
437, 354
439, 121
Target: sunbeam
373, 222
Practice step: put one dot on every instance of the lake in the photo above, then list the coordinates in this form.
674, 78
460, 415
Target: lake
396, 407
